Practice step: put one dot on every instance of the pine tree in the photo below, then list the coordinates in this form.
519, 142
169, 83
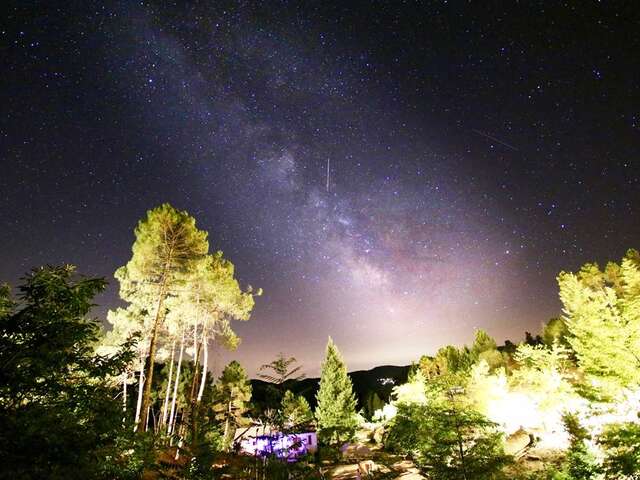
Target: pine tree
295, 410
231, 396
336, 411
166, 250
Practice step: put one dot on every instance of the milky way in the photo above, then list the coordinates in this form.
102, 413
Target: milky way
428, 229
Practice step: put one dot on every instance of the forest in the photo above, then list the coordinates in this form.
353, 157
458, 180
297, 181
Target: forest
130, 396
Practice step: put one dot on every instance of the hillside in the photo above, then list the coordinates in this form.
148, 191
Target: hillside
372, 387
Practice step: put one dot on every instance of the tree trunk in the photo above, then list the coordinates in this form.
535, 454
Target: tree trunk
205, 359
165, 406
140, 389
194, 405
172, 415
162, 293
146, 397
125, 376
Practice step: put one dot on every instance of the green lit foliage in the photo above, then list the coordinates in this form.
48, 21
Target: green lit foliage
602, 312
447, 360
555, 331
621, 446
458, 361
164, 254
231, 396
59, 417
413, 391
336, 411
448, 441
484, 348
295, 410
580, 463
544, 373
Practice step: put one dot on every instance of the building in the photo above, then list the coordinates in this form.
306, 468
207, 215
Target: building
262, 440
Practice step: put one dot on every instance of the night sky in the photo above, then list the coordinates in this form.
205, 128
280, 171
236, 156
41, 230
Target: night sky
475, 150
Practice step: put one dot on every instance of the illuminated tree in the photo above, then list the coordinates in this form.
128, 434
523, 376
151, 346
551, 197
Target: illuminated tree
295, 410
336, 411
127, 323
621, 445
484, 348
413, 391
602, 312
555, 331
167, 247
212, 298
448, 360
231, 396
448, 441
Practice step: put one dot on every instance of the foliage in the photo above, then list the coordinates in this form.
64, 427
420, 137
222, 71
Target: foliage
448, 442
336, 411
281, 371
555, 331
621, 445
414, 391
231, 395
295, 410
166, 251
58, 414
602, 312
580, 463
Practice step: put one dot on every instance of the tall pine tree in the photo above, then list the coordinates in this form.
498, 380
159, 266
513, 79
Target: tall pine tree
167, 248
336, 411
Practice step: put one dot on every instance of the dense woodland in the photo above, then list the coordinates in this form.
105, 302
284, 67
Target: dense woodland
130, 396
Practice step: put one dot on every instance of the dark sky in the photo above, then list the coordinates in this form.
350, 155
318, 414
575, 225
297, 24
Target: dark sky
475, 151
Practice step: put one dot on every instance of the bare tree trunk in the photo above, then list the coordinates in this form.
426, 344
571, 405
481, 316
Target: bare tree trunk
146, 397
140, 389
172, 415
194, 404
162, 293
205, 359
125, 377
146, 417
165, 406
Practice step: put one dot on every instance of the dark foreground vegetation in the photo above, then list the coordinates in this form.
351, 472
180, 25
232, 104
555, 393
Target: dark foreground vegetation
135, 400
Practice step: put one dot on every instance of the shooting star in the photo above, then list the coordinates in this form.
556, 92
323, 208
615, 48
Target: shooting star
490, 137
328, 172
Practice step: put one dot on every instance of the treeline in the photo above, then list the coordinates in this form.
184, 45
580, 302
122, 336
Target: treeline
569, 398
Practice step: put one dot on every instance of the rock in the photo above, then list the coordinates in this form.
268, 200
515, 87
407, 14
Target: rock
517, 442
378, 434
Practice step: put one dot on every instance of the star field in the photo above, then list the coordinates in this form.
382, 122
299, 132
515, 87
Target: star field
475, 151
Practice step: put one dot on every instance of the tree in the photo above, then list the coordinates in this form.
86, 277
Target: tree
58, 415
231, 396
166, 250
580, 463
602, 313
336, 411
621, 446
448, 360
278, 373
280, 370
555, 331
448, 442
484, 348
295, 410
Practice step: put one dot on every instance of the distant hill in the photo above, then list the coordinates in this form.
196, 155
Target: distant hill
367, 385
